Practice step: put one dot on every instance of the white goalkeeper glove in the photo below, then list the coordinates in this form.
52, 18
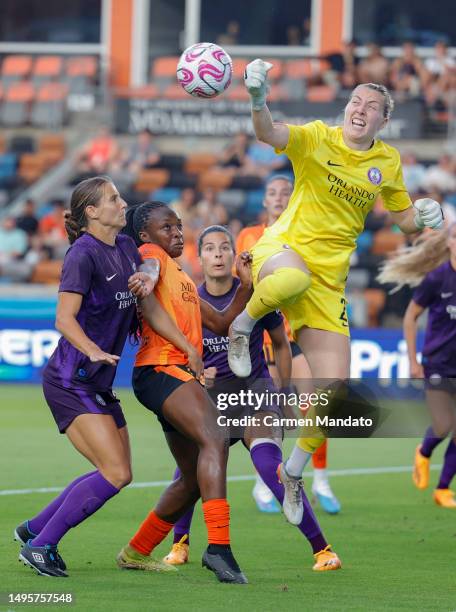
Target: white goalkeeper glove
428, 214
255, 78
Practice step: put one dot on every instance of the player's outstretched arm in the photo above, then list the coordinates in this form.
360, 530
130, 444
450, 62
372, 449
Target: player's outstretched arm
255, 78
218, 321
162, 324
424, 212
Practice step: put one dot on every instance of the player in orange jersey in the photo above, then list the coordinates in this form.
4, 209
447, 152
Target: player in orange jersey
276, 197
164, 382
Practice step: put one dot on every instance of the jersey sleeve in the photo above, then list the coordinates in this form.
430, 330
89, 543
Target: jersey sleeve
271, 320
394, 192
427, 291
77, 272
302, 141
153, 251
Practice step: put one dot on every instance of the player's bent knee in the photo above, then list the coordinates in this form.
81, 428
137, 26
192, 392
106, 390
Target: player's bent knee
119, 476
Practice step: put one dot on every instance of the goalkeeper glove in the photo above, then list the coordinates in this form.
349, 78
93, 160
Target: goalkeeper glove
255, 78
428, 214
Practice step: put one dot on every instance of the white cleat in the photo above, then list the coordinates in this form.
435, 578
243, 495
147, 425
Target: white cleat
293, 508
239, 353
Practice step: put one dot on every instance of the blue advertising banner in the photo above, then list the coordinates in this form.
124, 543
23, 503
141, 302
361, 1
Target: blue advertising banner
28, 338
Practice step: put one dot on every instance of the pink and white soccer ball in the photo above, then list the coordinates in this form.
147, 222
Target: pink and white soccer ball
205, 70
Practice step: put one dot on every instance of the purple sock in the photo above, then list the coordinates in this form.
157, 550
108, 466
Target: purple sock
82, 501
430, 441
266, 458
449, 466
182, 526
37, 523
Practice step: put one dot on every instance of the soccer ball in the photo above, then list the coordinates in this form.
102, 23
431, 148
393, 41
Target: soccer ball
204, 70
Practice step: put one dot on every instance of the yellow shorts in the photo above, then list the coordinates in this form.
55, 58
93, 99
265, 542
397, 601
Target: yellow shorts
320, 307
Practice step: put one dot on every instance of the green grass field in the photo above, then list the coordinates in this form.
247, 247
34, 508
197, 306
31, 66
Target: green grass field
396, 546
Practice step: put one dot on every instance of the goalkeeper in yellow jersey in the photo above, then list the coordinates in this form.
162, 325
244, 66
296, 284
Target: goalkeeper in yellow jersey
301, 263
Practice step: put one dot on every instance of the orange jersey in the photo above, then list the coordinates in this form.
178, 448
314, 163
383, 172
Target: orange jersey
178, 295
248, 237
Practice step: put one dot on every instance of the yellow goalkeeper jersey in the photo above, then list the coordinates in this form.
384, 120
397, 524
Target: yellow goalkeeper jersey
335, 188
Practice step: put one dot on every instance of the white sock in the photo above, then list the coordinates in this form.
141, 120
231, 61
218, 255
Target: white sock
320, 475
297, 461
244, 323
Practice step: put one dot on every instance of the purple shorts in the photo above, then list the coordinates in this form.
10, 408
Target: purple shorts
67, 404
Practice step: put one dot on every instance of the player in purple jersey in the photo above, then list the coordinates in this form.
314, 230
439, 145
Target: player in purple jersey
431, 264
95, 313
216, 251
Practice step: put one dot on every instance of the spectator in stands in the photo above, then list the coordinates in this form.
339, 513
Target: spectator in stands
375, 67
293, 34
441, 61
440, 176
27, 221
52, 230
413, 173
209, 209
261, 160
143, 153
449, 210
408, 74
100, 153
343, 67
234, 155
13, 241
185, 207
231, 34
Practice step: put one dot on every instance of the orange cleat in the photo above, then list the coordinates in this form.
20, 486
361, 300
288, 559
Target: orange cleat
178, 554
421, 469
326, 560
444, 498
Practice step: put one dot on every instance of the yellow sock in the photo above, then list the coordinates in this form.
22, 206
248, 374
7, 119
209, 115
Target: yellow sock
280, 288
310, 445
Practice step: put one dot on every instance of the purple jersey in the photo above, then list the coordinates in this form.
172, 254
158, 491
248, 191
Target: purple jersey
437, 292
215, 348
99, 272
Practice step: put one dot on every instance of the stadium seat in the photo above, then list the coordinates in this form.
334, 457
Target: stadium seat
143, 92
16, 68
386, 241
247, 182
150, 180
199, 162
239, 64
21, 144
375, 300
321, 93
32, 166
172, 162
182, 180
46, 68
164, 70
49, 109
52, 146
81, 73
167, 194
16, 106
47, 272
2, 144
8, 162
174, 92
301, 68
278, 93
216, 179
232, 199
237, 92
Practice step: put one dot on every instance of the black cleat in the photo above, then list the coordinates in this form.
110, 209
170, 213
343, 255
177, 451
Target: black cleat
23, 534
42, 559
220, 560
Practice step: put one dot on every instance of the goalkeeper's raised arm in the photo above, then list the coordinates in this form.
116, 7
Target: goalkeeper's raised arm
256, 81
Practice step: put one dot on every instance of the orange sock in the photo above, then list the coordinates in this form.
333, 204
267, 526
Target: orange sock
217, 518
319, 456
153, 530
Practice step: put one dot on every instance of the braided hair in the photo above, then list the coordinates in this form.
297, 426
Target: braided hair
138, 217
87, 193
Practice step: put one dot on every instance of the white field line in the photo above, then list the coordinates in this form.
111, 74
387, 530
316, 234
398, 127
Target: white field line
163, 483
